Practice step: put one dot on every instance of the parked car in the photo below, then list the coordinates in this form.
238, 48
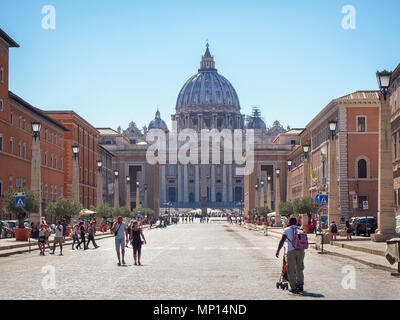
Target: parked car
398, 224
324, 221
5, 230
370, 222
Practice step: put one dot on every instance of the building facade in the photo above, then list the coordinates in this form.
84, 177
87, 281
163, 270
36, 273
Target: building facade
83, 134
355, 153
394, 94
16, 156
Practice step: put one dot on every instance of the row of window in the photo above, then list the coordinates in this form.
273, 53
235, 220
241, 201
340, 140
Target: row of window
21, 147
55, 191
21, 152
22, 124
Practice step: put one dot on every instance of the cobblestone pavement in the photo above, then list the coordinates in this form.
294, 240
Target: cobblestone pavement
187, 261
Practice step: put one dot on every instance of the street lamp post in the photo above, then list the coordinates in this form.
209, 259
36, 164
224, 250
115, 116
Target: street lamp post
137, 195
262, 193
269, 193
278, 221
99, 182
116, 189
75, 173
256, 197
386, 214
36, 177
333, 203
128, 192
306, 186
289, 164
145, 195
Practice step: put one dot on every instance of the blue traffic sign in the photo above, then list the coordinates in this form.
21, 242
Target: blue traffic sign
323, 200
317, 199
139, 213
20, 202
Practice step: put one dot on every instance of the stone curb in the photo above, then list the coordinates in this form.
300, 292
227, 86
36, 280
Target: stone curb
34, 246
360, 249
330, 252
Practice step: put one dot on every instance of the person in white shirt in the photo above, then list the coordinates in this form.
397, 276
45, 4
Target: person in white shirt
295, 258
119, 230
59, 237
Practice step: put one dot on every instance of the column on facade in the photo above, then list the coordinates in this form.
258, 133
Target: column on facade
36, 177
137, 190
230, 184
179, 183
203, 185
386, 213
212, 183
185, 184
224, 183
262, 189
163, 186
196, 184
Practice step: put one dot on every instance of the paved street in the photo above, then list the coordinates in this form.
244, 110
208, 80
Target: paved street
187, 261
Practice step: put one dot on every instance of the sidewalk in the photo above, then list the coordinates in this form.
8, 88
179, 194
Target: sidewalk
10, 247
360, 249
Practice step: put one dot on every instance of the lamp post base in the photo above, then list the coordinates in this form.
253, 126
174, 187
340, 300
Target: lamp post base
382, 237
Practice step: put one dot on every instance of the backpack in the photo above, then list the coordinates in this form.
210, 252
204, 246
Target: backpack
300, 240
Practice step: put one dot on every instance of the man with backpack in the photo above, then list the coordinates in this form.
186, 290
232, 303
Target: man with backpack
297, 243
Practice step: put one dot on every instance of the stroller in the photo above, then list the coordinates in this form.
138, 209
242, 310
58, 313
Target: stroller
283, 279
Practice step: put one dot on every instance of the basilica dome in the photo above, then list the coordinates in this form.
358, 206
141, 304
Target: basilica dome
207, 88
158, 123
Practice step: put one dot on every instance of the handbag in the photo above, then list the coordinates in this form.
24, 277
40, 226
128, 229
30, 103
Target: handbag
116, 231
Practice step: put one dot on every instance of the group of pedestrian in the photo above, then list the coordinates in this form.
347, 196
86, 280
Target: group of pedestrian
82, 233
334, 230
134, 234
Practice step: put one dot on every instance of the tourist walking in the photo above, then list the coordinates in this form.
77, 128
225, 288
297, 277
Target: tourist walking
136, 237
295, 257
47, 236
119, 233
75, 236
91, 234
59, 238
334, 230
82, 232
349, 230
42, 239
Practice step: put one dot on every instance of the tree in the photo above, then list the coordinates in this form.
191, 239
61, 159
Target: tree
145, 212
104, 211
64, 208
122, 211
264, 211
286, 208
305, 206
32, 204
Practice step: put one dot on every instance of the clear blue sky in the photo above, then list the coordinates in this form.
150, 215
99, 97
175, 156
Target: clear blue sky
117, 61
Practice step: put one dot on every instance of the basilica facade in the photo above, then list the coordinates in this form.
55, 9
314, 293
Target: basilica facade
207, 100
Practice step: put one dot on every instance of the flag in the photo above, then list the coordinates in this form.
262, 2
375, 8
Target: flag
312, 172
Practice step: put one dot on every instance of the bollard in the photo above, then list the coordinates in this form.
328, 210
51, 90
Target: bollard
396, 256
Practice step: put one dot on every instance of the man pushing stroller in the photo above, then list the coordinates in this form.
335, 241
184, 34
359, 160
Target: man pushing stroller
297, 243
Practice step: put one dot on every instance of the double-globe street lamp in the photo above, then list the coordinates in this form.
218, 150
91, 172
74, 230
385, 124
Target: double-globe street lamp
99, 182
278, 221
386, 213
75, 173
116, 189
36, 177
